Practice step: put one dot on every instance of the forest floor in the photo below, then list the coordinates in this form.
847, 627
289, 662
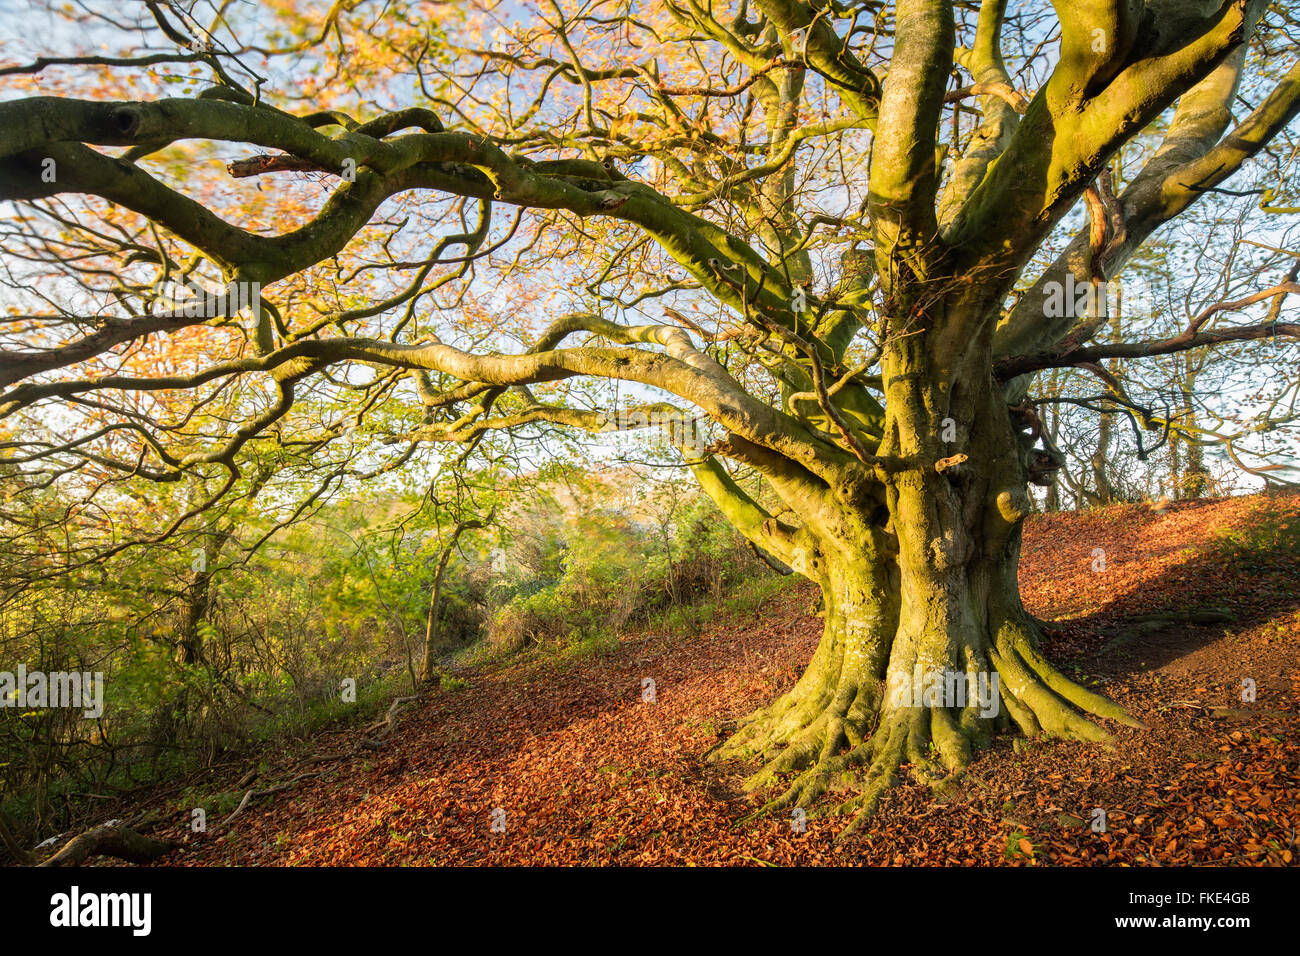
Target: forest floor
550, 760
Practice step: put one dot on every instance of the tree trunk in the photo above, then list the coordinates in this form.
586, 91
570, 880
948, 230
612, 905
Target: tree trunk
1106, 494
927, 650
1105, 491
1052, 501
1194, 481
429, 667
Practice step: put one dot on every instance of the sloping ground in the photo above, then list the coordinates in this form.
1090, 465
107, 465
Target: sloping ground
547, 761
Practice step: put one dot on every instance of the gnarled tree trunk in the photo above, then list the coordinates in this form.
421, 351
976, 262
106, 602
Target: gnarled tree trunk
928, 650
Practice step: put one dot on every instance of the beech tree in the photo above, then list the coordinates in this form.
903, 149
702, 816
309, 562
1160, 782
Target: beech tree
847, 197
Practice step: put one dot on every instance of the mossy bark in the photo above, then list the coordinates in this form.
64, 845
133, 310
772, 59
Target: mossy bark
927, 586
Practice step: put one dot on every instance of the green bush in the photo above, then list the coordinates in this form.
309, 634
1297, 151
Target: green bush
616, 573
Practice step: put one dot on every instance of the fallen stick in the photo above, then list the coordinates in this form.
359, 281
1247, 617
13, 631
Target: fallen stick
242, 803
264, 793
389, 722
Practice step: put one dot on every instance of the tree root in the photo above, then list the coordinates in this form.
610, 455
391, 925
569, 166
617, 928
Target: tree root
825, 743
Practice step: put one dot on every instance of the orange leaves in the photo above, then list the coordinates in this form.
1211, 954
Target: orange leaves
586, 773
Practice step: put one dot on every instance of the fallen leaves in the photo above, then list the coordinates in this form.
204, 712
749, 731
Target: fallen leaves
537, 763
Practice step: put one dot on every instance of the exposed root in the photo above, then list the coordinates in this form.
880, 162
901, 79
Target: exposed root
830, 746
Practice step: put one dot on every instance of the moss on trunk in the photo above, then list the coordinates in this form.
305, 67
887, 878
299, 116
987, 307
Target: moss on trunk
927, 651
